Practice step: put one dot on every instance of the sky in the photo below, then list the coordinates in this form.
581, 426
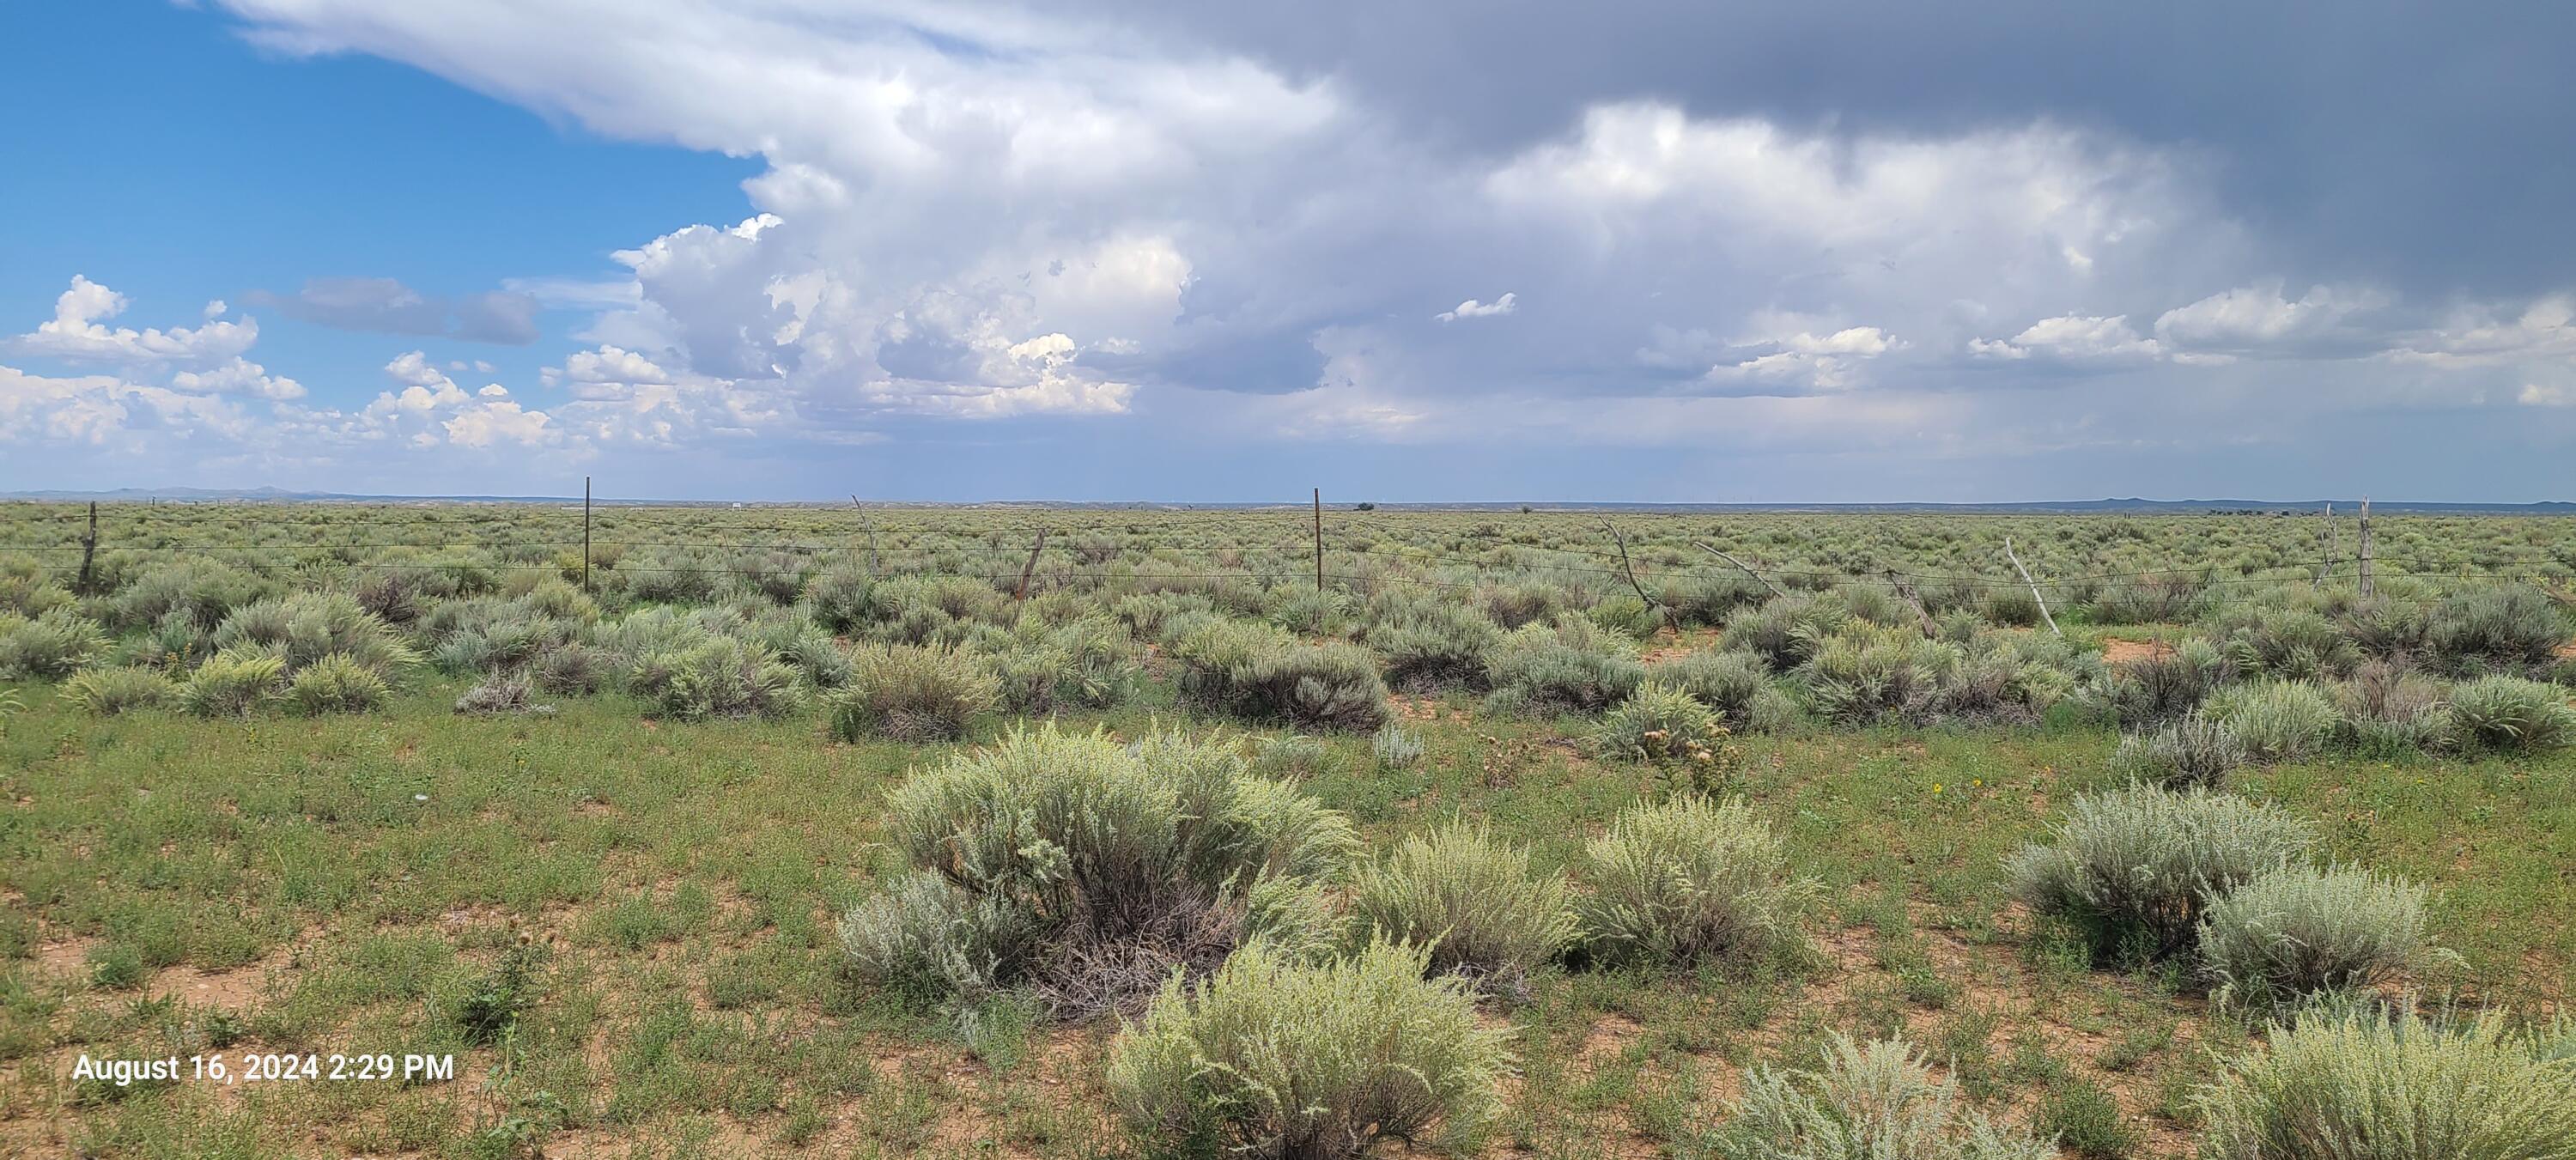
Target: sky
1152, 250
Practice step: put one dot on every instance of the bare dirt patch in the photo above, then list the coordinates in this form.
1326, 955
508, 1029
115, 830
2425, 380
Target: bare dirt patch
2118, 651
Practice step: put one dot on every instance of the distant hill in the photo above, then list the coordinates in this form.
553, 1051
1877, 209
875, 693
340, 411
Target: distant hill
2130, 506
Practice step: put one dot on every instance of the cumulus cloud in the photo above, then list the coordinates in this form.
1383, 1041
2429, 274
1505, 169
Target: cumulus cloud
2073, 338
387, 306
1474, 309
78, 333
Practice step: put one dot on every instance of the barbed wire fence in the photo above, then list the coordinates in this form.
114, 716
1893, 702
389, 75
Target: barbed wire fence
774, 545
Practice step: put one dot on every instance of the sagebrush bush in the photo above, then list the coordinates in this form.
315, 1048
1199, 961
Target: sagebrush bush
909, 693
1124, 863
2298, 930
2288, 643
2511, 713
336, 683
2167, 684
199, 592
1472, 902
2379, 1085
1660, 724
842, 599
47, 647
2513, 629
1773, 630
2388, 708
570, 670
1440, 646
2133, 867
1256, 672
232, 684
2286, 720
717, 677
107, 692
1873, 1101
303, 627
1732, 683
1280, 1058
2159, 599
496, 694
2194, 751
1572, 665
1686, 881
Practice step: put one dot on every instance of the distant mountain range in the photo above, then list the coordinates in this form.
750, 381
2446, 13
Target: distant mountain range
2134, 506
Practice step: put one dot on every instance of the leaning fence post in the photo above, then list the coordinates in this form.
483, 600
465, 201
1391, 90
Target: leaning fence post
89, 549
2325, 545
1631, 573
1031, 568
2362, 556
1748, 569
2034, 587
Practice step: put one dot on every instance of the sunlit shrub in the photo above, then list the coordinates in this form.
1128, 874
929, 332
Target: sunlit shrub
1686, 881
2377, 1085
2298, 930
232, 684
907, 693
1873, 1101
1571, 666
336, 683
2512, 713
107, 692
1472, 901
2134, 867
2276, 720
46, 647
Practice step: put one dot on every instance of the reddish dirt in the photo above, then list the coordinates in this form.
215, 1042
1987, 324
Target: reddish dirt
2118, 651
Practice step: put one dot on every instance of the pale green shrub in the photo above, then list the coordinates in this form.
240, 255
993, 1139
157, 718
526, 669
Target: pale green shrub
1689, 880
304, 627
2194, 751
107, 692
2298, 930
47, 647
1729, 682
1572, 665
2276, 720
2375, 1085
1470, 900
336, 683
232, 684
1660, 724
2390, 709
496, 694
2134, 866
1436, 647
2512, 713
908, 693
2167, 685
1873, 1101
1274, 1057
717, 677
928, 941
1256, 672
842, 599
2513, 629
1125, 862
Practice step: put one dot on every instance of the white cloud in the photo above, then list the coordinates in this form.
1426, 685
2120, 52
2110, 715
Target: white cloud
238, 376
2552, 395
1474, 309
2074, 338
78, 333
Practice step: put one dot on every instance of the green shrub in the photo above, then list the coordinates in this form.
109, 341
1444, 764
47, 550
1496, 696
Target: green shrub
1862, 673
232, 684
1784, 630
1661, 725
2194, 751
1732, 683
304, 627
2160, 599
1274, 1057
2086, 1120
1571, 666
2133, 867
842, 599
2298, 930
1123, 863
908, 693
1255, 672
717, 677
335, 684
2513, 629
2375, 1085
1471, 901
2390, 709
496, 694
107, 692
2276, 720
1439, 647
1515, 604
2168, 684
1874, 1101
1688, 881
2512, 713
573, 669
48, 647
199, 593
2290, 643
2018, 607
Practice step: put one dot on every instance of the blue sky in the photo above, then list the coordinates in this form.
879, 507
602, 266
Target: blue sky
1130, 249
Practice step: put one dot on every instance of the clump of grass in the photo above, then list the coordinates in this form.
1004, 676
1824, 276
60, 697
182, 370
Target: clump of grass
1470, 901
2086, 1120
2373, 1084
1090, 871
1874, 1100
2194, 751
2298, 930
1687, 881
2134, 867
909, 693
336, 683
2510, 713
107, 692
1275, 1057
2288, 720
494, 1004
1396, 747
232, 684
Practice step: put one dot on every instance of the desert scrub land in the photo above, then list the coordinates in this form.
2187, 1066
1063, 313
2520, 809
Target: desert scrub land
795, 830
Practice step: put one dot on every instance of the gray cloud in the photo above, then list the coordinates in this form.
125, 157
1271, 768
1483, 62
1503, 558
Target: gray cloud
386, 306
